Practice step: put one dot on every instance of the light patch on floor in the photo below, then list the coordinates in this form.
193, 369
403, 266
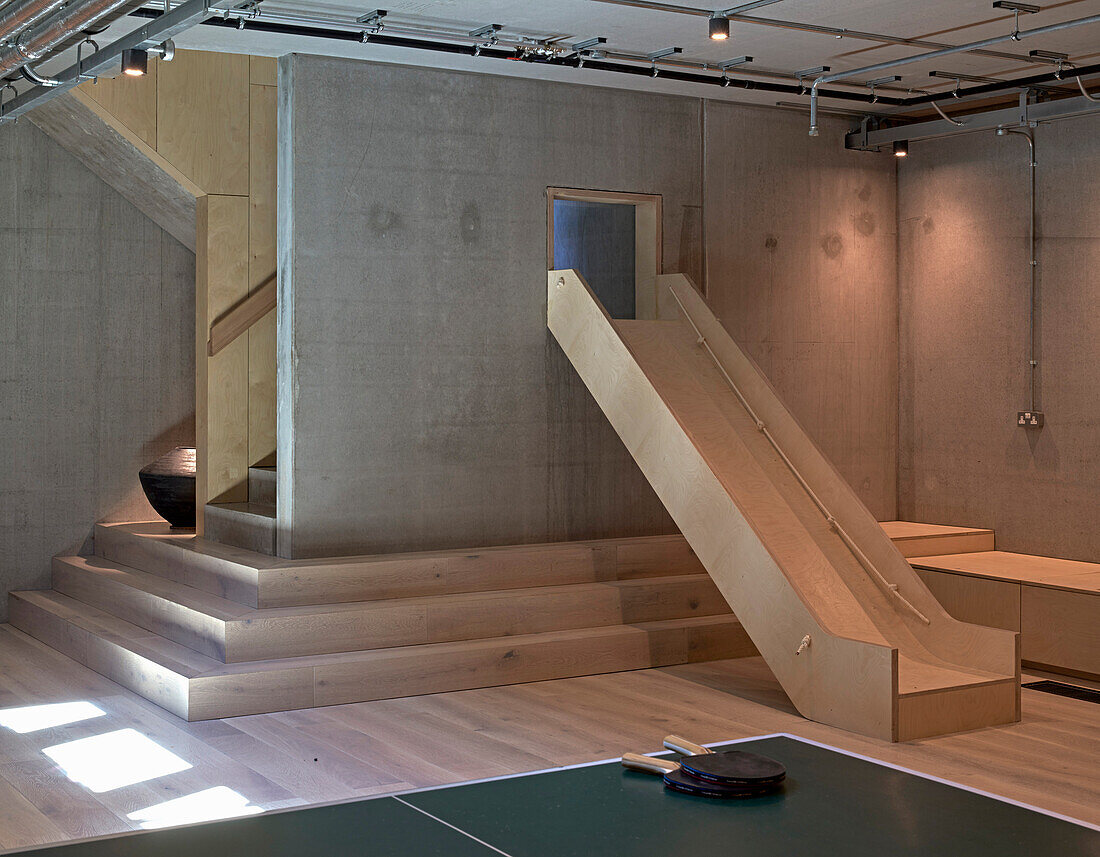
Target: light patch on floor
214, 804
31, 718
110, 761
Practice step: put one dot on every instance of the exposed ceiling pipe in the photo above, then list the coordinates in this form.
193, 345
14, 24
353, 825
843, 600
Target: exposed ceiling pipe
1085, 92
20, 14
835, 32
1033, 263
34, 43
883, 66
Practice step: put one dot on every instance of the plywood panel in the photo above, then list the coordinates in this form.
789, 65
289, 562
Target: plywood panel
261, 264
1061, 629
221, 394
972, 599
262, 70
203, 118
1021, 568
133, 100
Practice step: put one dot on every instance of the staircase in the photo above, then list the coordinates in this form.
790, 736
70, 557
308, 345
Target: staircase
209, 630
250, 525
849, 629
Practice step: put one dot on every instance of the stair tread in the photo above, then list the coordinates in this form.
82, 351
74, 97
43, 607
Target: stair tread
465, 645
190, 664
230, 611
173, 656
158, 531
260, 510
160, 587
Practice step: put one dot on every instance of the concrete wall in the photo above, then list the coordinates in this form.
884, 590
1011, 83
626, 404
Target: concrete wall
423, 403
963, 219
96, 349
802, 271
426, 405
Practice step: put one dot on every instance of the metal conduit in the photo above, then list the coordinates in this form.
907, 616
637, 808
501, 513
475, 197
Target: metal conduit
889, 588
836, 32
35, 43
1033, 363
883, 66
20, 14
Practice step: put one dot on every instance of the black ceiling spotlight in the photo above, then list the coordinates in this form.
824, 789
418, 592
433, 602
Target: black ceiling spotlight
901, 148
719, 27
135, 62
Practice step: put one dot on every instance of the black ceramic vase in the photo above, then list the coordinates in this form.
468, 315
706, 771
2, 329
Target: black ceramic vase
169, 483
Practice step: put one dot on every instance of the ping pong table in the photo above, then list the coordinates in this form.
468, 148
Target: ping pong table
833, 803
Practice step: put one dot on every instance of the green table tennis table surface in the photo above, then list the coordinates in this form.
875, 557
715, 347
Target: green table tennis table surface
833, 803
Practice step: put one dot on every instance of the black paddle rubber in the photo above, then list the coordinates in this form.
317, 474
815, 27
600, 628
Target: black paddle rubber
734, 768
680, 781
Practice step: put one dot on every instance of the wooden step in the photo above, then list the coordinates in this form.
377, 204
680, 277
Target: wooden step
233, 633
262, 485
261, 581
188, 616
249, 526
199, 688
914, 539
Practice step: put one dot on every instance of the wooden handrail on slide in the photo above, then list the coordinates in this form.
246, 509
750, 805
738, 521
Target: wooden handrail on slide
888, 587
231, 324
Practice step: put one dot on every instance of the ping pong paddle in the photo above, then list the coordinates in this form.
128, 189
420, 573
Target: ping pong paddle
726, 767
676, 780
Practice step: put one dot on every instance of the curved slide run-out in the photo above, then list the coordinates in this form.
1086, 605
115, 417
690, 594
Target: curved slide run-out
846, 625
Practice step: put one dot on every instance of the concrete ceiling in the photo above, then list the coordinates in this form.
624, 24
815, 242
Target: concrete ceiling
640, 31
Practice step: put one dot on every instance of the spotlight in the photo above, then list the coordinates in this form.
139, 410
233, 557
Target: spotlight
719, 27
135, 62
901, 148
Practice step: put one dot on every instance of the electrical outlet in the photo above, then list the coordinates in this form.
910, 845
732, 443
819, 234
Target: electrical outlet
1030, 419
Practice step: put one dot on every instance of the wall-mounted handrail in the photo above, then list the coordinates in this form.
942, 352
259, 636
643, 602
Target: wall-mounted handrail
887, 587
231, 324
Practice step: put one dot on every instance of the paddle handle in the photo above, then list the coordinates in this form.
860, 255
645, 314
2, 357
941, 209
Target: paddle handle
648, 764
684, 747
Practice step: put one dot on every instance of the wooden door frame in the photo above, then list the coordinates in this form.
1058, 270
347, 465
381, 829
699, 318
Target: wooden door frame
648, 221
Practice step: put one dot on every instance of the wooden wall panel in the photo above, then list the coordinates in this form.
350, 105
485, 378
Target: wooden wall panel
221, 266
262, 70
131, 100
261, 264
1060, 629
973, 599
203, 119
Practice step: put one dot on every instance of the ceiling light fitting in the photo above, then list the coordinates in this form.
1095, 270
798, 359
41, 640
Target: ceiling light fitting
901, 148
719, 27
135, 62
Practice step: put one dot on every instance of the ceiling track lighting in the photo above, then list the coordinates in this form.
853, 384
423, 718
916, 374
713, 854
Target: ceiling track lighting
901, 148
719, 27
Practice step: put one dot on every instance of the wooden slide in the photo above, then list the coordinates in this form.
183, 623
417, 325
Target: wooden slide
846, 625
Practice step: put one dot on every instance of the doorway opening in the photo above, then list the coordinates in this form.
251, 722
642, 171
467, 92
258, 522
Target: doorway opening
613, 240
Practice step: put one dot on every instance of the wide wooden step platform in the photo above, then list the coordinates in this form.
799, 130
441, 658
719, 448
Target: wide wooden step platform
210, 630
915, 539
197, 687
256, 580
232, 632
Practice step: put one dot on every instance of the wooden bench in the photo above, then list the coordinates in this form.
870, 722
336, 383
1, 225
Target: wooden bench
1053, 603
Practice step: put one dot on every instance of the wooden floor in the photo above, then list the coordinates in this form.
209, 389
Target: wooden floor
1050, 759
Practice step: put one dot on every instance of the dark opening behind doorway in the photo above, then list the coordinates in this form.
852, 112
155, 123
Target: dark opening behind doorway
598, 240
